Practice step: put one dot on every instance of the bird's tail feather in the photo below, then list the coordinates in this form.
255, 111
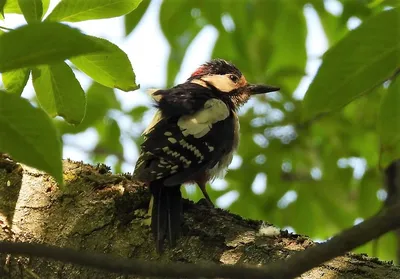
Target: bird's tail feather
166, 214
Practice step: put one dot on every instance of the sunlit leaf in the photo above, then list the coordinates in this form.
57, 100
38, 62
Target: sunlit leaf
15, 81
46, 4
29, 136
78, 10
59, 92
363, 59
31, 9
42, 43
133, 18
111, 68
12, 7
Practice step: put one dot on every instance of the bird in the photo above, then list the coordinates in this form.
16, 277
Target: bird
191, 139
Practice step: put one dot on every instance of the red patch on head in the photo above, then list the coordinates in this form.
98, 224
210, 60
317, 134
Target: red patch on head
200, 71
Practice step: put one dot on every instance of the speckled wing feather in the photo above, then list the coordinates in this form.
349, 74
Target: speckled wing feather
168, 154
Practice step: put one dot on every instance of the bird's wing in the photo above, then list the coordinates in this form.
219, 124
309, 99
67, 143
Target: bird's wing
177, 148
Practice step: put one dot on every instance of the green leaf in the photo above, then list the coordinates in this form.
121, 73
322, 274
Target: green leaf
389, 122
31, 9
100, 99
2, 4
29, 136
42, 43
111, 68
59, 92
133, 18
12, 7
363, 59
78, 10
46, 4
15, 81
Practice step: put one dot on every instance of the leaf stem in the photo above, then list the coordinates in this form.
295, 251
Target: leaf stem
6, 28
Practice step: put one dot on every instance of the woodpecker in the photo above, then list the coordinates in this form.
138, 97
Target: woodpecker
191, 139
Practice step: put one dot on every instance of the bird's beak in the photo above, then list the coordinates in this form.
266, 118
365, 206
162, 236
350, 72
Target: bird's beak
255, 89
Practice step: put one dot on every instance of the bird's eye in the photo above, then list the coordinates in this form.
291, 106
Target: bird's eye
234, 78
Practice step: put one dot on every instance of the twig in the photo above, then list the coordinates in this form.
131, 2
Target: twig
6, 28
293, 267
343, 242
123, 266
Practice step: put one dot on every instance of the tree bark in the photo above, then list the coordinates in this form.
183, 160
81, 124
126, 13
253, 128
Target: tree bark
106, 213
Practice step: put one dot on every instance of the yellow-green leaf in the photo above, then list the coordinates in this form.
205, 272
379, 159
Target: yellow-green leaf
133, 18
31, 9
363, 59
78, 10
12, 7
111, 68
15, 81
42, 43
59, 92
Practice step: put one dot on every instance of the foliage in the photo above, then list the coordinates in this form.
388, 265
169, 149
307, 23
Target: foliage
40, 48
29, 135
320, 160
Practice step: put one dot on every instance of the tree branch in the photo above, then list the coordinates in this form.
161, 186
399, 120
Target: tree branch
294, 266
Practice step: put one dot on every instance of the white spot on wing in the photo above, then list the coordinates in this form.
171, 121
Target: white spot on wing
172, 140
210, 148
192, 148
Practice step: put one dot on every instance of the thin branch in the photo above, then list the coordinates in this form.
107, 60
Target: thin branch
343, 242
136, 267
293, 267
6, 28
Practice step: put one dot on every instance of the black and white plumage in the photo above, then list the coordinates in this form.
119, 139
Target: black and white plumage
192, 138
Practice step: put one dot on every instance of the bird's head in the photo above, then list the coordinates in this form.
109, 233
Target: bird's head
229, 83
